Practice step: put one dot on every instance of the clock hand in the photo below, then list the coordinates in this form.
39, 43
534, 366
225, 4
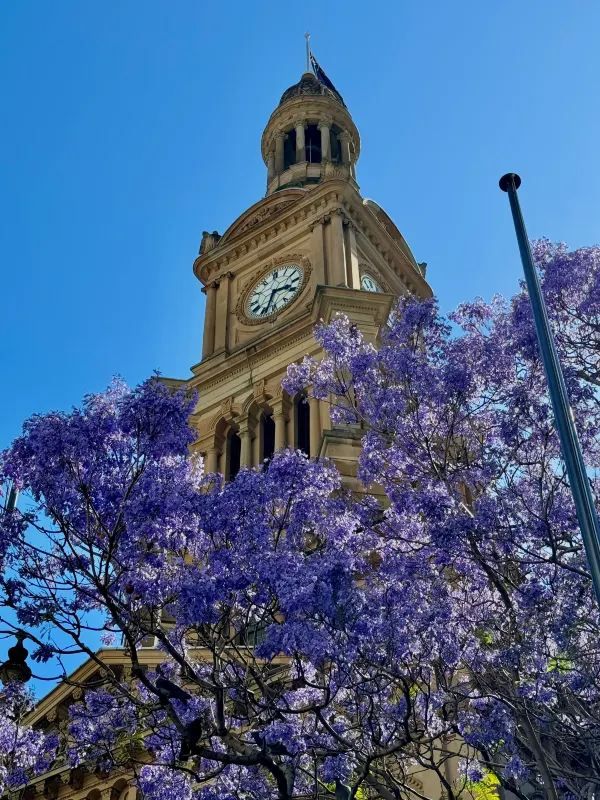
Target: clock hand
270, 300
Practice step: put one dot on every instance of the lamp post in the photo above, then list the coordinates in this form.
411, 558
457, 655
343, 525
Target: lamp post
563, 414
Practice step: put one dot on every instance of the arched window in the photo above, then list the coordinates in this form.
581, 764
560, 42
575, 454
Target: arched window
302, 420
267, 436
233, 454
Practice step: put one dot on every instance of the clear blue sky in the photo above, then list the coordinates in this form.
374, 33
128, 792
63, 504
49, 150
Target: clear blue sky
126, 128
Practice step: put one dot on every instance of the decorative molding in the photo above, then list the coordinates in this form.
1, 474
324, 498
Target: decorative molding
257, 275
258, 358
259, 216
207, 267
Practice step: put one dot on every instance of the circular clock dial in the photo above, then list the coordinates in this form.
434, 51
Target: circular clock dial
274, 291
369, 284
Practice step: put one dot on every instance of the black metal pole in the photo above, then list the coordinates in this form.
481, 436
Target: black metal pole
563, 414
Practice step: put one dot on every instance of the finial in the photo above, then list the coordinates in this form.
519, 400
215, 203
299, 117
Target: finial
307, 37
509, 180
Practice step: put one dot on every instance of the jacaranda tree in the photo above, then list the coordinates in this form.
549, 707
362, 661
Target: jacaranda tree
315, 641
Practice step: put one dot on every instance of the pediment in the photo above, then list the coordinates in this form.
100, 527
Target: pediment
262, 211
390, 227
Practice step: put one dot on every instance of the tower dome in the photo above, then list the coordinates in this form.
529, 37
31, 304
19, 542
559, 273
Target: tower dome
309, 137
309, 84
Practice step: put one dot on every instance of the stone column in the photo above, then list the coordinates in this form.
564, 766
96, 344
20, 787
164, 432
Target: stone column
279, 140
315, 427
246, 442
324, 413
280, 417
211, 461
256, 443
300, 143
280, 425
345, 147
208, 342
318, 252
222, 312
351, 252
271, 166
336, 266
325, 150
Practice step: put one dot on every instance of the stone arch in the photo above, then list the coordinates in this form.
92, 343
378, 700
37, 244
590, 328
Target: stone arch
120, 790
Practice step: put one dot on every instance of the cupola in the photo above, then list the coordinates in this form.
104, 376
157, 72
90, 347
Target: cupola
309, 137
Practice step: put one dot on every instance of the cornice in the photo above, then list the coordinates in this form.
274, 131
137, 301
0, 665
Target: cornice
366, 222
333, 195
331, 299
314, 202
109, 657
253, 354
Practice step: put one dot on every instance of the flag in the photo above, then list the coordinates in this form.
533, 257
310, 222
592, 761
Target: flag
322, 78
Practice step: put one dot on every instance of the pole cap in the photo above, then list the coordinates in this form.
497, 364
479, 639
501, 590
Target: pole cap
506, 181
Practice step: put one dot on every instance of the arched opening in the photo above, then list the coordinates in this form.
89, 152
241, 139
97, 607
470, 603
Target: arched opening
267, 436
334, 144
289, 149
302, 420
312, 140
233, 454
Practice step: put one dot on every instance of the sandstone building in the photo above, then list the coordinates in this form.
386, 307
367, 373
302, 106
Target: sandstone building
313, 246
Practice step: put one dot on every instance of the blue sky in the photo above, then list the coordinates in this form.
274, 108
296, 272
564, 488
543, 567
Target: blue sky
128, 128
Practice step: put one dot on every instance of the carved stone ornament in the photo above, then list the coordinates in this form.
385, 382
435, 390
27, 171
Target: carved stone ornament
335, 171
278, 261
209, 241
258, 389
261, 215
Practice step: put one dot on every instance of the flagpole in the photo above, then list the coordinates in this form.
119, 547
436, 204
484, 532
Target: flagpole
557, 389
307, 37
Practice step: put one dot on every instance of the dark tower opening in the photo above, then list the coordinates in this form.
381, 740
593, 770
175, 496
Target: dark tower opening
234, 452
334, 145
267, 432
289, 149
312, 139
302, 413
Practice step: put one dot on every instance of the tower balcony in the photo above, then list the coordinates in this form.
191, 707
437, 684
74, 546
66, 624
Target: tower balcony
305, 173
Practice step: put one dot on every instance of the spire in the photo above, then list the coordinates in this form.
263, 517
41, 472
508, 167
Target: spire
307, 37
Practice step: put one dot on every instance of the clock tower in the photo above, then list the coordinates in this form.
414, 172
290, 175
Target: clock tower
310, 248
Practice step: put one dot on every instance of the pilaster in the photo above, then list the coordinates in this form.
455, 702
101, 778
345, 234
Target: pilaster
351, 256
317, 244
208, 341
222, 312
336, 266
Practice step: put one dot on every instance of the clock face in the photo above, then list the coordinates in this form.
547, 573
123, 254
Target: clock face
369, 284
274, 291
